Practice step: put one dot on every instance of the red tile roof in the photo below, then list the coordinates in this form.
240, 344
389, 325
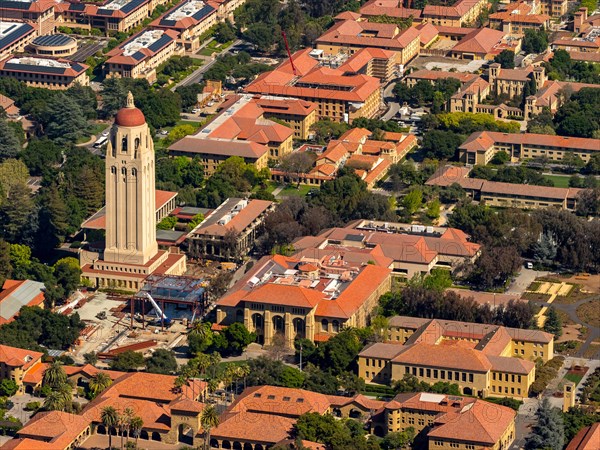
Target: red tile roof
98, 220
18, 357
313, 82
481, 41
587, 438
478, 422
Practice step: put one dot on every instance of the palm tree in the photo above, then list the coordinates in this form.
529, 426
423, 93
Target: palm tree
110, 419
202, 361
244, 371
125, 423
65, 391
202, 329
136, 424
99, 382
209, 420
54, 401
54, 375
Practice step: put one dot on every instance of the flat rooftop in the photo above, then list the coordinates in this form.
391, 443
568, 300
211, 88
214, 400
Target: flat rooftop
186, 9
144, 40
7, 28
242, 101
115, 4
39, 62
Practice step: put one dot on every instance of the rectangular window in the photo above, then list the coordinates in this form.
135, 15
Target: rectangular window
456, 376
435, 373
407, 370
464, 376
470, 378
443, 374
420, 371
428, 373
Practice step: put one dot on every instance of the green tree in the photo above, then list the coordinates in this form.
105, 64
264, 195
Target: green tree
238, 337
500, 158
54, 376
99, 383
433, 209
412, 201
41, 155
114, 94
8, 387
535, 41
167, 223
126, 361
196, 220
553, 323
135, 425
9, 142
16, 213
53, 219
54, 401
548, 432
441, 144
110, 419
209, 419
162, 361
90, 358
67, 122
399, 439
506, 58
68, 274
224, 32
326, 129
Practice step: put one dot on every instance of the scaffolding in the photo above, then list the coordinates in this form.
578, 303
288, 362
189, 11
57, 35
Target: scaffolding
185, 293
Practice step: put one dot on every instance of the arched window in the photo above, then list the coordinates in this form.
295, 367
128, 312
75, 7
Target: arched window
134, 172
324, 325
137, 142
336, 326
124, 144
113, 170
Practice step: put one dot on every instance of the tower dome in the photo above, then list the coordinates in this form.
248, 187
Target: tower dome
130, 116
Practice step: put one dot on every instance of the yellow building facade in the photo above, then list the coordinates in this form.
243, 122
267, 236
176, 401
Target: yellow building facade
483, 360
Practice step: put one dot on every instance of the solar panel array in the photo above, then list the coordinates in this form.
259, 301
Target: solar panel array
15, 5
52, 40
14, 34
126, 9
198, 15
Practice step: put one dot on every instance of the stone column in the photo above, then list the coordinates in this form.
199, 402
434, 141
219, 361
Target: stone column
247, 321
268, 327
289, 330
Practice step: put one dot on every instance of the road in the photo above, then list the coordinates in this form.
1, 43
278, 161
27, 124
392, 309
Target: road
196, 76
390, 100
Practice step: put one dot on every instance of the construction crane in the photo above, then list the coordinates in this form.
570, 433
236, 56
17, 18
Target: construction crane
159, 312
287, 47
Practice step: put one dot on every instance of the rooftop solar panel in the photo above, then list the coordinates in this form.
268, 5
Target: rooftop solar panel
133, 4
32, 68
160, 43
18, 33
52, 40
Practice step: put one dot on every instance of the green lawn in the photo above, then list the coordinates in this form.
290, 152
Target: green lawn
214, 47
95, 130
575, 378
291, 191
561, 181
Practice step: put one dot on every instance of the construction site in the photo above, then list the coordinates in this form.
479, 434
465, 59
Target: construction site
155, 317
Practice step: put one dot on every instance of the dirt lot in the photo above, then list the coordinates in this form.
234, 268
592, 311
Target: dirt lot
589, 312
